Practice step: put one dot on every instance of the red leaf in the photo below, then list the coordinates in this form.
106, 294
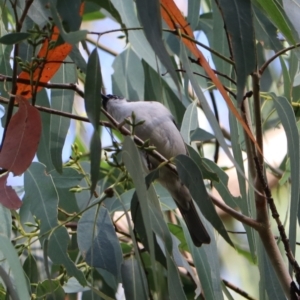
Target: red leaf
22, 138
8, 196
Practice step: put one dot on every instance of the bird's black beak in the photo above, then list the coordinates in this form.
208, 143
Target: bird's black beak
104, 100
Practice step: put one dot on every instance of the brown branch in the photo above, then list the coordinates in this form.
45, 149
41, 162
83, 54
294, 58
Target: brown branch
275, 215
237, 290
235, 214
277, 54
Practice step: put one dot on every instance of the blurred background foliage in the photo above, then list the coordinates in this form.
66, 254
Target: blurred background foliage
73, 237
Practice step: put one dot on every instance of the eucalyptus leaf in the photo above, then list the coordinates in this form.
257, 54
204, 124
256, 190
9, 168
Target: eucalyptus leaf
58, 253
98, 241
61, 100
14, 38
287, 117
191, 176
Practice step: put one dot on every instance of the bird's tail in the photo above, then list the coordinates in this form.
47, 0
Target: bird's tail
195, 226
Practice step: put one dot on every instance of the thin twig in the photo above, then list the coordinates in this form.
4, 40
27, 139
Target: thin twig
237, 290
277, 54
102, 47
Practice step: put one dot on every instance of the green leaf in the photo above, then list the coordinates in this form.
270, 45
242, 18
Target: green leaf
206, 108
58, 253
239, 25
5, 221
67, 179
95, 155
275, 14
92, 88
132, 281
206, 172
189, 122
193, 13
150, 18
14, 38
207, 266
191, 176
10, 254
43, 152
107, 5
31, 269
236, 135
128, 65
159, 90
222, 185
51, 288
269, 283
98, 242
287, 117
219, 43
139, 42
42, 195
132, 161
200, 134
265, 30
292, 9
61, 100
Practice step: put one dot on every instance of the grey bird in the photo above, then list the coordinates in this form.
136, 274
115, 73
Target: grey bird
160, 129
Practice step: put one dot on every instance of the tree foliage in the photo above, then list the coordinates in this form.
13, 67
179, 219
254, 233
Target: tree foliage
94, 222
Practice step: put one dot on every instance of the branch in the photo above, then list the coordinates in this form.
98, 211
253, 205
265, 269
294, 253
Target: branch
237, 290
266, 64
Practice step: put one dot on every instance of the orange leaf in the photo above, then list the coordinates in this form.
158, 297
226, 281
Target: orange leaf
53, 59
22, 138
176, 21
8, 196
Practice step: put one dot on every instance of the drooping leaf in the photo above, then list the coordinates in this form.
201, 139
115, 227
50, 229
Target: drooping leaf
95, 155
69, 178
98, 242
150, 17
189, 122
10, 254
269, 283
42, 195
175, 21
92, 89
14, 38
207, 267
191, 176
278, 18
92, 101
22, 138
245, 204
58, 253
5, 224
200, 134
193, 13
208, 113
31, 269
127, 62
61, 100
239, 26
220, 44
43, 151
132, 281
8, 196
50, 288
287, 117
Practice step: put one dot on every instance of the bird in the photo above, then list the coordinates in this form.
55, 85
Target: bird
157, 125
